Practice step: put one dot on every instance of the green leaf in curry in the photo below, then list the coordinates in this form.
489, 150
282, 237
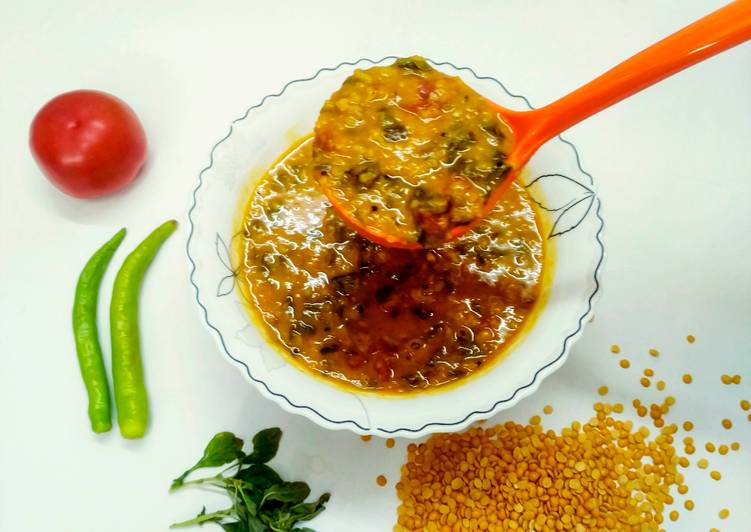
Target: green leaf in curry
223, 448
261, 500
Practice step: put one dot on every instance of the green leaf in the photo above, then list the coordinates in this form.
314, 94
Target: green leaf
308, 510
289, 492
265, 446
251, 508
259, 476
255, 525
223, 448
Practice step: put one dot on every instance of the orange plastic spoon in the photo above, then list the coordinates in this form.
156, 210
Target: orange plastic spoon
708, 36
718, 31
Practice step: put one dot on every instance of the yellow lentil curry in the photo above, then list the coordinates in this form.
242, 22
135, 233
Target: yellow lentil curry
379, 318
409, 152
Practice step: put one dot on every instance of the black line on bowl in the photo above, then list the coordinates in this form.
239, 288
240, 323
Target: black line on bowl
537, 374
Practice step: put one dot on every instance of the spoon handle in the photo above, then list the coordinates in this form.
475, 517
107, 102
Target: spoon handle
718, 31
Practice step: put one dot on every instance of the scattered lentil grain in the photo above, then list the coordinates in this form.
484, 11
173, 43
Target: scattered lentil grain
660, 385
735, 446
723, 449
687, 378
645, 382
690, 338
615, 349
724, 513
649, 372
381, 480
654, 352
709, 446
367, 437
390, 443
715, 475
703, 463
745, 404
602, 390
625, 363
548, 409
688, 426
736, 379
726, 379
688, 504
727, 424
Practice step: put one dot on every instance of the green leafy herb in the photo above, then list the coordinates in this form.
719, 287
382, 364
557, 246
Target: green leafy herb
265, 446
261, 500
222, 449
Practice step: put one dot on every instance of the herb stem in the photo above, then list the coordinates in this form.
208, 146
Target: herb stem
217, 481
213, 516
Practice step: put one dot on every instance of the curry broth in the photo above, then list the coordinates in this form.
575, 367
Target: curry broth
380, 318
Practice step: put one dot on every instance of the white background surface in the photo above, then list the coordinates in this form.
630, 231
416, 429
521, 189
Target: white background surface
673, 166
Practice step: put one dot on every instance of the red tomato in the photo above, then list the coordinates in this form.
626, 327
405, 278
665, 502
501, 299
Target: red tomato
88, 143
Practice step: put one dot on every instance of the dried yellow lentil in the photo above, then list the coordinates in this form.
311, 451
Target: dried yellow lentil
735, 446
602, 390
688, 504
601, 475
727, 424
674, 515
710, 447
691, 338
688, 426
535, 420
687, 378
660, 385
366, 438
723, 449
615, 349
724, 513
390, 443
381, 480
625, 363
745, 404
645, 382
726, 379
715, 475
548, 409
654, 352
703, 463
649, 372
736, 379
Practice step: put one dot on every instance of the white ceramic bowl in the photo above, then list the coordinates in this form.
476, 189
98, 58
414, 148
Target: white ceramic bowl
554, 178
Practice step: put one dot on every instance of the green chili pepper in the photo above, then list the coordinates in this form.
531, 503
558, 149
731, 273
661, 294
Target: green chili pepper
127, 369
85, 331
